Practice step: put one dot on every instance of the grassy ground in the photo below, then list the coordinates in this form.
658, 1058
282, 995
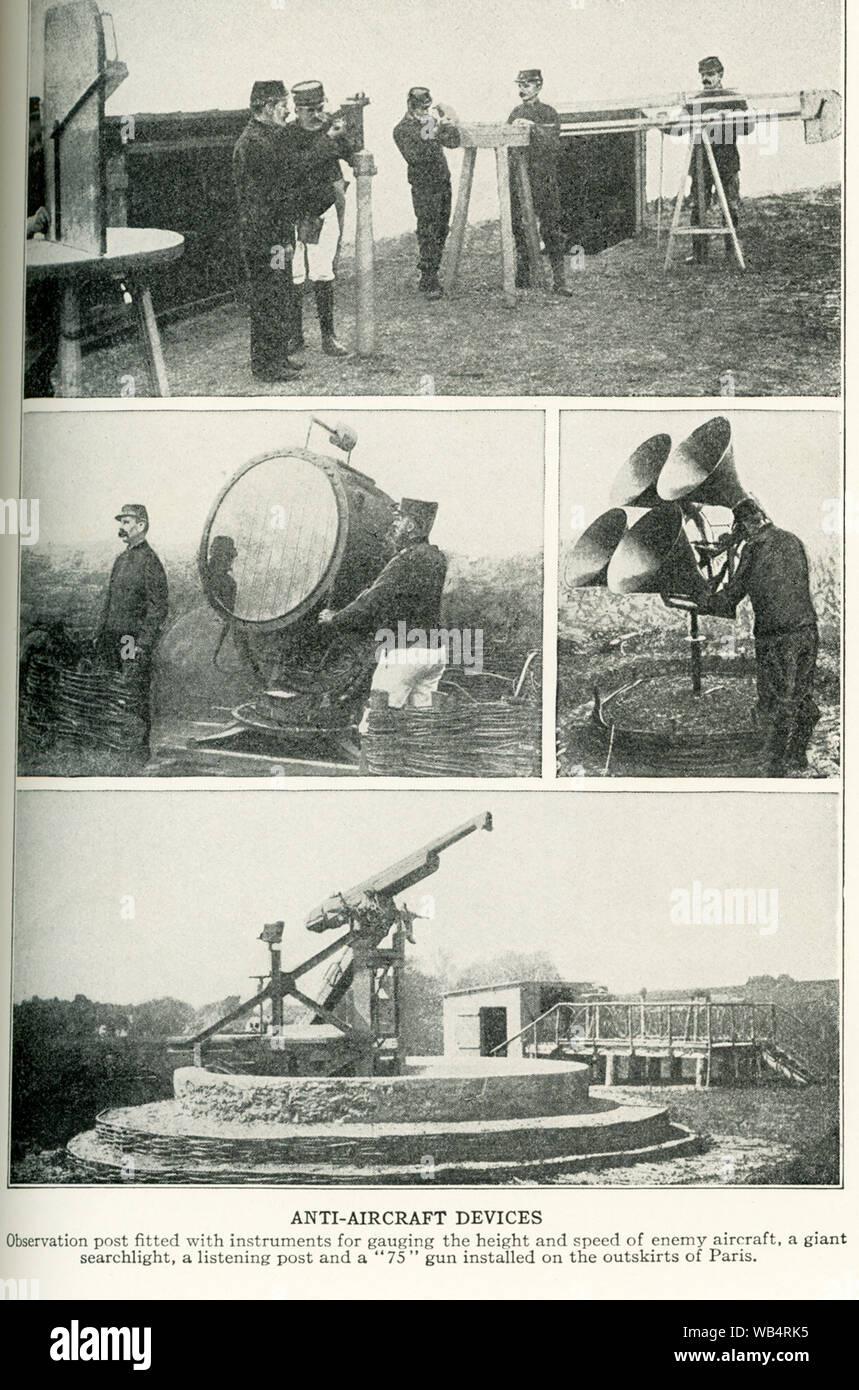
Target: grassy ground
761, 1136
629, 329
758, 1136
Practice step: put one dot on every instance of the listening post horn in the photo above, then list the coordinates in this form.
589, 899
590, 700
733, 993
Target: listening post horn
702, 468
635, 483
588, 561
654, 557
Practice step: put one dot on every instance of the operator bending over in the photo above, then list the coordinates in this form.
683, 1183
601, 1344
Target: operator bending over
773, 574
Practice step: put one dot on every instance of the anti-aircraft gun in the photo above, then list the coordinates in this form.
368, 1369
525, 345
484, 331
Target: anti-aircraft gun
353, 1026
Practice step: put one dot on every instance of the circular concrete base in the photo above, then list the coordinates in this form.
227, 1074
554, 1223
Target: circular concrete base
481, 1120
430, 1089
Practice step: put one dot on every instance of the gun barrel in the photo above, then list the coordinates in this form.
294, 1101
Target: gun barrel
335, 910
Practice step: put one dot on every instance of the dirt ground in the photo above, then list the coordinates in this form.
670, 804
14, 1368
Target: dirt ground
630, 328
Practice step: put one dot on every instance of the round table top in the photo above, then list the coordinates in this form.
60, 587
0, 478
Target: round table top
128, 248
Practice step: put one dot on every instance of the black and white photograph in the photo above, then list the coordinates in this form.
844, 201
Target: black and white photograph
699, 608
426, 533
271, 203
443, 990
283, 595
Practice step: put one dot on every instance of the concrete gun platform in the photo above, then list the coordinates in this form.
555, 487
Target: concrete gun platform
477, 1121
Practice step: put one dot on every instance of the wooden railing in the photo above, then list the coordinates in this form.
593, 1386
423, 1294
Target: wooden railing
573, 1027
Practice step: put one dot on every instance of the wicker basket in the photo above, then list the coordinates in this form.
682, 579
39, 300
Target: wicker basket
454, 737
95, 708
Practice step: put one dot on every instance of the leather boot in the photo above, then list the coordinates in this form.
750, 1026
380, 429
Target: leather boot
559, 282
324, 292
296, 328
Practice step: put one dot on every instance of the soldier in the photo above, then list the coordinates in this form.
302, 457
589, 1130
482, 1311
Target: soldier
773, 574
407, 591
542, 164
319, 142
267, 214
722, 133
135, 609
419, 137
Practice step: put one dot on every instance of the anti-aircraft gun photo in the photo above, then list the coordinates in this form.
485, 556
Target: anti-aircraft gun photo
353, 1026
333, 1098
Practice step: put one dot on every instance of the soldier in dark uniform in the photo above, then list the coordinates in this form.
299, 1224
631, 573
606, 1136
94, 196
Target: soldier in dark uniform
134, 611
773, 574
408, 591
317, 142
420, 137
722, 132
267, 214
542, 163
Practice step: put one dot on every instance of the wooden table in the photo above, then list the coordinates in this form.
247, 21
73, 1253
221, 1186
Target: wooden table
501, 139
131, 253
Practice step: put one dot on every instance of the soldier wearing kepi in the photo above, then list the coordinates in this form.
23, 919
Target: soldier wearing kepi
267, 214
722, 131
134, 610
542, 164
773, 574
406, 597
421, 137
319, 142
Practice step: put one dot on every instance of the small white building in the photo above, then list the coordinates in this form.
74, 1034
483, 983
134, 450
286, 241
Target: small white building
478, 1019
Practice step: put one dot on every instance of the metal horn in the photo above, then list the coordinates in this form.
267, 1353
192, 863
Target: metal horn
588, 561
635, 483
702, 468
654, 557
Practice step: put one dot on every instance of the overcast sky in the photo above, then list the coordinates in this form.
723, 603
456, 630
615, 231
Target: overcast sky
484, 468
790, 460
586, 878
195, 55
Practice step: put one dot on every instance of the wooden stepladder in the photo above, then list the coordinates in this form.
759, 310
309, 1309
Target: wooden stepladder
701, 150
501, 139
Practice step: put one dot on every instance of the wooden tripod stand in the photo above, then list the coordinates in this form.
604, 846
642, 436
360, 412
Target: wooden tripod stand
499, 138
701, 150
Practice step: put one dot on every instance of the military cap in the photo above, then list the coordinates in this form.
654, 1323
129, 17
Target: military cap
529, 75
711, 64
261, 92
419, 96
423, 514
135, 509
308, 94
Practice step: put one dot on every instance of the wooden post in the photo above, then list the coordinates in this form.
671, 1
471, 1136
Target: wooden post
611, 1061
456, 240
675, 220
508, 246
529, 217
723, 202
695, 648
276, 988
362, 1006
69, 350
151, 340
701, 1072
365, 313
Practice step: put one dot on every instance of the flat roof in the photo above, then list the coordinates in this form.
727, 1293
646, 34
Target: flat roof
521, 984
